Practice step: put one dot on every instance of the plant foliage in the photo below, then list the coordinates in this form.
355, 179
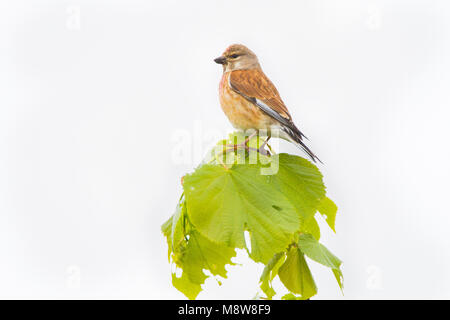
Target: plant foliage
272, 197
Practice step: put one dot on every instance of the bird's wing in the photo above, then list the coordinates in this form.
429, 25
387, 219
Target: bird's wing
255, 86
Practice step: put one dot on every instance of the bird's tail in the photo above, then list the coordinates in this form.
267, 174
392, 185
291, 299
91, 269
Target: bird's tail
297, 137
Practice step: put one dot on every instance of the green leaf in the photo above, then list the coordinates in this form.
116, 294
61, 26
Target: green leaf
328, 209
267, 288
193, 253
224, 202
339, 278
301, 183
166, 229
188, 288
201, 254
291, 296
274, 198
311, 226
269, 273
295, 274
173, 228
319, 253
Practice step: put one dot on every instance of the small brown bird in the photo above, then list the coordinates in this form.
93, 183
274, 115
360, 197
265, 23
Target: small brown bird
251, 101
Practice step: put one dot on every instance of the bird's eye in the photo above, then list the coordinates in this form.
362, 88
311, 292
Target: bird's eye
234, 56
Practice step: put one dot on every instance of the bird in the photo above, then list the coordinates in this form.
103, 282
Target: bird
251, 101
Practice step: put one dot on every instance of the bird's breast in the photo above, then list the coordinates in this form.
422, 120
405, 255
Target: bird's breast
242, 113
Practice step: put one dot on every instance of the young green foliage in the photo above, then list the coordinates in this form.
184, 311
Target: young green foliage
272, 197
328, 209
295, 274
193, 253
319, 253
223, 202
270, 272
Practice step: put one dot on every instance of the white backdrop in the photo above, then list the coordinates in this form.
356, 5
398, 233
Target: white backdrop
95, 95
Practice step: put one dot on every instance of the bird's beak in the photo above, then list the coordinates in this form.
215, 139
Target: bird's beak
220, 60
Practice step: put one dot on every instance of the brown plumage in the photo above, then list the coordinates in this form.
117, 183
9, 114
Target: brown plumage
254, 83
251, 101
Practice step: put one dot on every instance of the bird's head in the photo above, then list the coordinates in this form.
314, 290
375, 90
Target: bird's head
238, 57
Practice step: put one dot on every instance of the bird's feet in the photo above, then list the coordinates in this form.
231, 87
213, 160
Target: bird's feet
261, 149
264, 152
234, 147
